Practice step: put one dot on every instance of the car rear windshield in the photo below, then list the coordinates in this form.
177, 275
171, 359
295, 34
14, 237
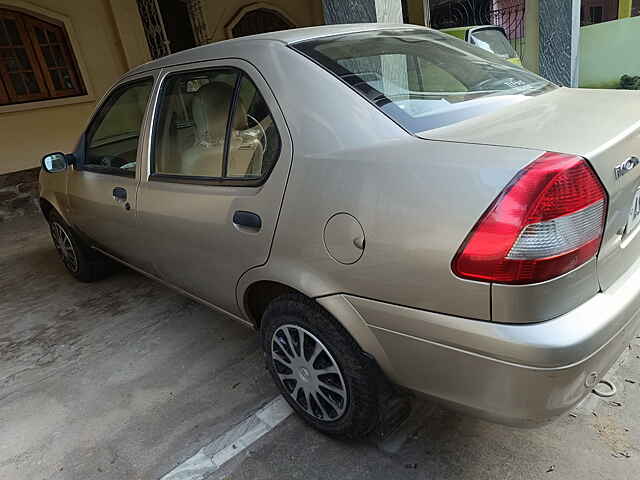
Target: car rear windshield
421, 78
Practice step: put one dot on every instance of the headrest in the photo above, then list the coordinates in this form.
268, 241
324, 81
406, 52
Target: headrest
210, 110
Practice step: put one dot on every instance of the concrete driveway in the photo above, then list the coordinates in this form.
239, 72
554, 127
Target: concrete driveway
125, 379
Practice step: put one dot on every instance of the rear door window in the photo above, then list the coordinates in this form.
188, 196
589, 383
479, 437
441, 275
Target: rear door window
191, 133
214, 125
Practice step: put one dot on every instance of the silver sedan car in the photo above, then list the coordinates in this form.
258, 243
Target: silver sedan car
385, 204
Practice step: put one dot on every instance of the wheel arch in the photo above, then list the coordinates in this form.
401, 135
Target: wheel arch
46, 207
257, 295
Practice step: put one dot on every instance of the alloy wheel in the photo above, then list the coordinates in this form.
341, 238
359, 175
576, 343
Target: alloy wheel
309, 373
64, 246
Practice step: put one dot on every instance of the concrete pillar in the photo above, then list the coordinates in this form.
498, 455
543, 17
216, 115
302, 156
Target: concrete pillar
624, 8
394, 67
531, 36
426, 7
559, 40
362, 11
133, 41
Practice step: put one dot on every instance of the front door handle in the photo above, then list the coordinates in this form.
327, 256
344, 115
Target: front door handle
119, 194
249, 220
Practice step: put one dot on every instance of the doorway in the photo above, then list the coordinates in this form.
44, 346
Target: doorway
172, 25
257, 20
178, 28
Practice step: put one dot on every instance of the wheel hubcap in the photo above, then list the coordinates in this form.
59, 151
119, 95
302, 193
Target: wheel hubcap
308, 372
64, 246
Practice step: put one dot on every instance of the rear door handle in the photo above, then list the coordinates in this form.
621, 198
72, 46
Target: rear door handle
247, 220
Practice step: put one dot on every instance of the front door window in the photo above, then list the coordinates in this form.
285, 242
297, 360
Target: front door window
112, 138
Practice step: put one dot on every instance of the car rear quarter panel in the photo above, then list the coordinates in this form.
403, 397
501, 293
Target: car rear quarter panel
602, 126
415, 199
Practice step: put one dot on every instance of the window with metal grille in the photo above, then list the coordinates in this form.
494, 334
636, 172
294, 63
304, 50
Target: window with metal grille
36, 60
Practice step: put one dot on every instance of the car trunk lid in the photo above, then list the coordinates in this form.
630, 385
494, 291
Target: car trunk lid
602, 126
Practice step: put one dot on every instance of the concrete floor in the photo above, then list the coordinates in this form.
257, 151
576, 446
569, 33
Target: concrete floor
124, 379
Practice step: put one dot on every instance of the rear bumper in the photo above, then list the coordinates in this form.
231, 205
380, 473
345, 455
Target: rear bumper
518, 374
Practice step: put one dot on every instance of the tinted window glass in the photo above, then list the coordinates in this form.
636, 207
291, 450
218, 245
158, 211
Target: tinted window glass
423, 79
254, 143
112, 139
194, 131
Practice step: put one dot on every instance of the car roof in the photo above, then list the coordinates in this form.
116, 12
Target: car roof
285, 37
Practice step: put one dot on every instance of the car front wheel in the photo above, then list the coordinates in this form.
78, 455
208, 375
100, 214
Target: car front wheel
319, 368
80, 261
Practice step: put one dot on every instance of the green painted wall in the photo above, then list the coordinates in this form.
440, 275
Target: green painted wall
459, 32
607, 51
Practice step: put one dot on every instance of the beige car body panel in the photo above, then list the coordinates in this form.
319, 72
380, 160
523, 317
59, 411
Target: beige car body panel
203, 252
519, 355
563, 121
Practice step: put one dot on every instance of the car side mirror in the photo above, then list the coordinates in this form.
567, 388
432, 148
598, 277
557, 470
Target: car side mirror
56, 162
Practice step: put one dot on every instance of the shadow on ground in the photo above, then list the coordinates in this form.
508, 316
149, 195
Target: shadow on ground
124, 379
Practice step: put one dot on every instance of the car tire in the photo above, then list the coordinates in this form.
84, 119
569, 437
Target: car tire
329, 382
82, 262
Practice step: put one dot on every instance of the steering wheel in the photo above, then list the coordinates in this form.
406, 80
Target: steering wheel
112, 161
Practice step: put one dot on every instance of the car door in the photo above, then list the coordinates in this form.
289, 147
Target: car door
220, 157
103, 183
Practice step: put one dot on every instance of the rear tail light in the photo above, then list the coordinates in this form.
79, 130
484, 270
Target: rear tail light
547, 221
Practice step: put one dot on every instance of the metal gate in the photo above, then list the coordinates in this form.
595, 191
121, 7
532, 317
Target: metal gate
198, 22
508, 14
154, 28
153, 23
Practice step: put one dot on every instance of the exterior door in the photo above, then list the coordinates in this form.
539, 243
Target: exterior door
102, 186
260, 20
220, 158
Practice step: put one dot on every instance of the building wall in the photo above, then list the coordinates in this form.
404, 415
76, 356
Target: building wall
302, 13
100, 39
219, 14
108, 39
415, 12
596, 11
607, 51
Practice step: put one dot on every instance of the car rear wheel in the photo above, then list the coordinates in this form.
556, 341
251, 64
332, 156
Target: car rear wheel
80, 261
319, 368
